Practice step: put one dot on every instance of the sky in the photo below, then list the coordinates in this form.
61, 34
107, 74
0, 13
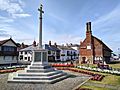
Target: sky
64, 21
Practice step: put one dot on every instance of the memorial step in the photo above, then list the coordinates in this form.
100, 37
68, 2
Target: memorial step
39, 67
40, 70
39, 64
39, 81
39, 74
40, 78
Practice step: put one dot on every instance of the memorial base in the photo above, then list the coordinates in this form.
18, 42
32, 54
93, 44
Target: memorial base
37, 72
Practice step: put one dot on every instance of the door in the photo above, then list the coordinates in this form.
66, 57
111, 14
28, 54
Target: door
83, 59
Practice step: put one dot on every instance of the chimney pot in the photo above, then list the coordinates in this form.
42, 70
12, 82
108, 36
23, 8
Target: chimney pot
55, 44
22, 45
50, 43
34, 43
88, 26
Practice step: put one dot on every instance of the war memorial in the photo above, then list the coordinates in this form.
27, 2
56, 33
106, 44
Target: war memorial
39, 71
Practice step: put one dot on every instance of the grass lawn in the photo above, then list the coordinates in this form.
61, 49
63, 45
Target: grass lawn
115, 65
90, 65
94, 88
108, 79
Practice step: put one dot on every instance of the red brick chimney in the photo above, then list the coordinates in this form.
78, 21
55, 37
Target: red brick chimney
88, 28
88, 32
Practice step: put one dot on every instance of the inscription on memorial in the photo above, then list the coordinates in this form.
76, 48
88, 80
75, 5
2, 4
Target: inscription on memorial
37, 57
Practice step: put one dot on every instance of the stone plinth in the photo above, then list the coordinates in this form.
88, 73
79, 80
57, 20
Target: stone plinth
38, 72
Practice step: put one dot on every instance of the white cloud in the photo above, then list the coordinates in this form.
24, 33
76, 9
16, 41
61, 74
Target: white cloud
10, 7
5, 20
21, 15
17, 35
13, 7
7, 30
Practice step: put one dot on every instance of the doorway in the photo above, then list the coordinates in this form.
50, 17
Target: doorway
83, 59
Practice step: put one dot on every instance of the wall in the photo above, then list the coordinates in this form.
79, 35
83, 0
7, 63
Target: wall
7, 60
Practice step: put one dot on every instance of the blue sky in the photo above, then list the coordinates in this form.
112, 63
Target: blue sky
63, 21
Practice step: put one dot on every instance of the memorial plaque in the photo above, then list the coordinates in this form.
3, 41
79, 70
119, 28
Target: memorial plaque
44, 56
37, 56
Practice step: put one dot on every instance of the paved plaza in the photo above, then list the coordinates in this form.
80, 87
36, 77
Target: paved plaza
66, 84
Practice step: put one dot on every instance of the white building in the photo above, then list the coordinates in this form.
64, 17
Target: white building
25, 54
67, 53
75, 47
55, 53
8, 52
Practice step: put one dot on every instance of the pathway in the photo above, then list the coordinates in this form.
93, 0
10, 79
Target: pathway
67, 84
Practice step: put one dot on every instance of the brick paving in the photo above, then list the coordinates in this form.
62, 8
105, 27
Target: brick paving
67, 84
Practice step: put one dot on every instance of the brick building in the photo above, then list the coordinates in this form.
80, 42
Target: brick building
93, 50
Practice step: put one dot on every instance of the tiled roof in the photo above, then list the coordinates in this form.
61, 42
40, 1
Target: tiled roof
65, 47
51, 47
46, 46
74, 45
101, 43
4, 41
30, 48
84, 43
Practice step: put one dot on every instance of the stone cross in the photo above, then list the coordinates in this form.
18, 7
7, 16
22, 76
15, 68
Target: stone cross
40, 32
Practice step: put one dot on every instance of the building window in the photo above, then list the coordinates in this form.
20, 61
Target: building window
21, 52
62, 54
49, 52
21, 57
53, 52
4, 57
25, 58
68, 53
16, 57
75, 54
28, 58
12, 57
8, 48
25, 52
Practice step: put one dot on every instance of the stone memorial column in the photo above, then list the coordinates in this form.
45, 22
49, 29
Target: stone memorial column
40, 55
